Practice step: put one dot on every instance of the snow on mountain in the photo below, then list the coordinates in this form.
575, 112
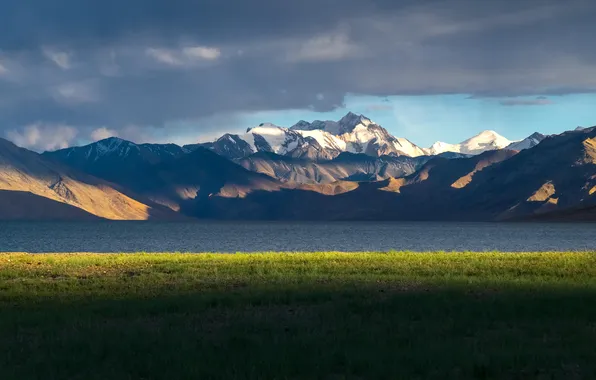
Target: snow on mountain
272, 138
267, 137
482, 142
349, 123
442, 147
361, 135
317, 140
408, 147
527, 143
346, 124
325, 139
330, 126
353, 134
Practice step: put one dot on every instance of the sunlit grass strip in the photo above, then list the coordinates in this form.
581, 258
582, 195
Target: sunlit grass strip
45, 274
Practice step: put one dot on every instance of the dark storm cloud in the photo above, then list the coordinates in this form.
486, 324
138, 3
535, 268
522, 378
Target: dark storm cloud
98, 65
28, 23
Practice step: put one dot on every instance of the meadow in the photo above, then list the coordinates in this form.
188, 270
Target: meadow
396, 315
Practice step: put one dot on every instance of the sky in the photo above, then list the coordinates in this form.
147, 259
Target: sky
75, 71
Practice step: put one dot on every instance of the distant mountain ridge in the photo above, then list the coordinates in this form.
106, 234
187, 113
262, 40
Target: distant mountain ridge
527, 143
352, 169
274, 139
164, 173
555, 179
325, 140
345, 167
482, 142
50, 190
113, 147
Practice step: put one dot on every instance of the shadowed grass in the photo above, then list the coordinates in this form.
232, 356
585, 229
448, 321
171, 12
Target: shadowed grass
303, 315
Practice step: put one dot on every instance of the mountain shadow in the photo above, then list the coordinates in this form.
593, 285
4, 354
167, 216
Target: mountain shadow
22, 205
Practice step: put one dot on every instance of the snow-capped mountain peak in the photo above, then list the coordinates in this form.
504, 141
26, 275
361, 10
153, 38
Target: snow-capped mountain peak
325, 139
272, 138
263, 127
482, 142
268, 137
351, 121
346, 124
357, 134
353, 133
527, 143
441, 147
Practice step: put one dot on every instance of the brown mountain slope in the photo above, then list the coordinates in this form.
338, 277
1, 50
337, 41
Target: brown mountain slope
554, 180
347, 166
24, 171
426, 195
21, 205
556, 175
184, 183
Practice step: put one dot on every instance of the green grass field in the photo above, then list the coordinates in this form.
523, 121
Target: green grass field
298, 316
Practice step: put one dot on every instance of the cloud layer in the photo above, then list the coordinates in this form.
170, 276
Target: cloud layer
142, 65
538, 101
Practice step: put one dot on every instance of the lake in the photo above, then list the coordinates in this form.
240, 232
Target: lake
292, 236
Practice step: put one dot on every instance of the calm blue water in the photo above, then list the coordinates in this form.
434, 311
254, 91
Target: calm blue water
291, 236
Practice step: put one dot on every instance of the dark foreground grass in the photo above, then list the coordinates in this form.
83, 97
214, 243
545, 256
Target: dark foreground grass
318, 315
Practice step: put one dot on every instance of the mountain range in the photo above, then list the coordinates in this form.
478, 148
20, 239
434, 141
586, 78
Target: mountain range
325, 140
35, 187
350, 169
